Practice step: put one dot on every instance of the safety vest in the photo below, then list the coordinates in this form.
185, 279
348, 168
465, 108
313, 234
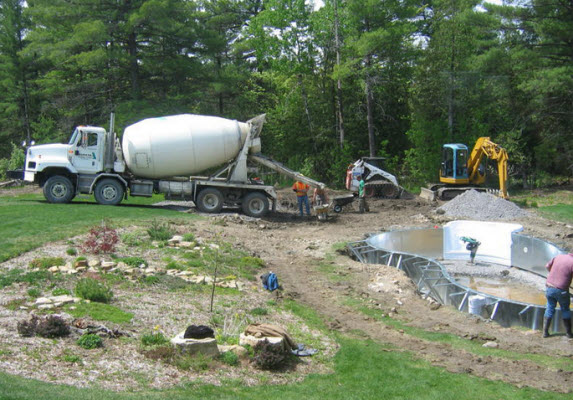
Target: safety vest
301, 188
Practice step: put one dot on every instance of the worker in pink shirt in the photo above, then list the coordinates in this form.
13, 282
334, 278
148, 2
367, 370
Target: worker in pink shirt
557, 290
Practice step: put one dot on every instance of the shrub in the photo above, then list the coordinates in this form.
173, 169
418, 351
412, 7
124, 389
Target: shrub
160, 231
175, 265
91, 289
165, 354
101, 239
34, 292
90, 341
46, 262
72, 359
269, 356
60, 292
72, 251
188, 237
52, 327
151, 280
259, 311
133, 239
27, 328
229, 358
154, 339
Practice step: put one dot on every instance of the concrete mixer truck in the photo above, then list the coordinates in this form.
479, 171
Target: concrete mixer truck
161, 155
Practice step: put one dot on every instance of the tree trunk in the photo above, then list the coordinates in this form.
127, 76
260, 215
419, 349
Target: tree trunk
133, 66
305, 101
369, 110
339, 105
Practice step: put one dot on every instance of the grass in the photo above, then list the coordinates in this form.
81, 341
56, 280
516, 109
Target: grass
552, 204
559, 212
99, 312
29, 221
363, 370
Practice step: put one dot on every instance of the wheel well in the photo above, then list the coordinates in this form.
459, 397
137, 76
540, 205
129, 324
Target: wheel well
100, 177
49, 172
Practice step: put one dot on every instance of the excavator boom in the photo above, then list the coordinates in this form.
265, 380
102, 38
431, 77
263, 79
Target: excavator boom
484, 147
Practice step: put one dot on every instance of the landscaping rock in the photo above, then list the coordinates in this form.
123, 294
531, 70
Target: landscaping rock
206, 346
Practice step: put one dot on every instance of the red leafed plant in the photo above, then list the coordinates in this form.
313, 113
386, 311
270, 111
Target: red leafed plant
101, 239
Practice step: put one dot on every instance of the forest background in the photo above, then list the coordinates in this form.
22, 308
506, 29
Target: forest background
352, 78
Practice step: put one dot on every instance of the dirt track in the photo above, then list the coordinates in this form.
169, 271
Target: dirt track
294, 246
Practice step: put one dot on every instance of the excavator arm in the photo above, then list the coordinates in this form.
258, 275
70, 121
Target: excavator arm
484, 147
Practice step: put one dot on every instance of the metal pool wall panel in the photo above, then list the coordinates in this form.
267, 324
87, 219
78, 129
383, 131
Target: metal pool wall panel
423, 242
400, 249
495, 239
532, 254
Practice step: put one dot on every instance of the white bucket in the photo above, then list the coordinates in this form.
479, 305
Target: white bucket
476, 304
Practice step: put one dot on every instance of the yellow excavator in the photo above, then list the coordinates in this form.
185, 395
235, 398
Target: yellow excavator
461, 171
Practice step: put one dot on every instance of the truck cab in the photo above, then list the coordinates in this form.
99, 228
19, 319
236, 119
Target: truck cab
86, 149
63, 170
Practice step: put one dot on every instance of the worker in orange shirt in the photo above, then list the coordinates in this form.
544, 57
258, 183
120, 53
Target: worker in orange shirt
301, 190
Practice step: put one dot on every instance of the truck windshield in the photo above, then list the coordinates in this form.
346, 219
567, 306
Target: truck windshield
74, 136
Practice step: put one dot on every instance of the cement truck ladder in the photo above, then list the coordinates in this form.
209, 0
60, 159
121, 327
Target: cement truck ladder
281, 169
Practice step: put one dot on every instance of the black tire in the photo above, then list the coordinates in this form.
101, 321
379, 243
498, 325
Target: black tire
109, 192
59, 190
337, 208
255, 205
210, 200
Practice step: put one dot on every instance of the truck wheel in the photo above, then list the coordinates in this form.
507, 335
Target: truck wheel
337, 208
210, 200
109, 192
59, 189
256, 205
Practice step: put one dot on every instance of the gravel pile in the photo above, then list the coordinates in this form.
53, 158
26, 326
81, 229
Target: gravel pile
482, 206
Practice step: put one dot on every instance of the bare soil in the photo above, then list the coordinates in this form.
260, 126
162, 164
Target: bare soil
300, 250
293, 247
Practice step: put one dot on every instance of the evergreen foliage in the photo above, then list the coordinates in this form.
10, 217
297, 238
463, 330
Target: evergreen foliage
350, 79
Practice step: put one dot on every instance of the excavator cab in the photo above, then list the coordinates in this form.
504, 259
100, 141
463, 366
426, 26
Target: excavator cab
454, 169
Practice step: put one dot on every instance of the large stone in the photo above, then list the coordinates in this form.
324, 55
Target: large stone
175, 240
253, 341
107, 265
43, 300
240, 351
93, 262
206, 346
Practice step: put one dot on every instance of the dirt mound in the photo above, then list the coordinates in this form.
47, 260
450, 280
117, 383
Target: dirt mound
482, 206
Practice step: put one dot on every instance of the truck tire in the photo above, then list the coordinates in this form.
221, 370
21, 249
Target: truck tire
255, 205
210, 200
59, 190
109, 192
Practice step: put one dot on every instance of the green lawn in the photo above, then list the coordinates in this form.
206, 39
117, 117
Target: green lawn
364, 370
28, 221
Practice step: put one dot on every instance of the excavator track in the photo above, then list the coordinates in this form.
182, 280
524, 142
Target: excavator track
445, 193
382, 189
